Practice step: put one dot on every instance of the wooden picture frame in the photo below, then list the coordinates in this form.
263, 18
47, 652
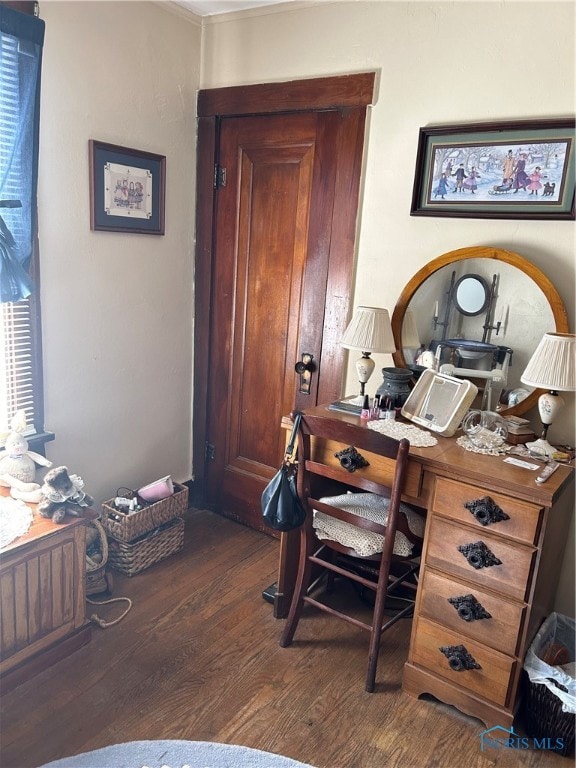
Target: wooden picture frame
508, 170
127, 189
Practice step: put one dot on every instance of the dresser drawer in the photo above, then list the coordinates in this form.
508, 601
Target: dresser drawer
523, 521
510, 577
465, 615
380, 469
491, 680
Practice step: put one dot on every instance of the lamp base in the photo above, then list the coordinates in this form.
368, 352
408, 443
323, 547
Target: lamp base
541, 446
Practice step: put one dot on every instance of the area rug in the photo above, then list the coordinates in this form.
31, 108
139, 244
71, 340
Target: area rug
176, 754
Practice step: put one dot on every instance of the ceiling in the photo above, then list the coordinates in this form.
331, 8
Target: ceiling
213, 7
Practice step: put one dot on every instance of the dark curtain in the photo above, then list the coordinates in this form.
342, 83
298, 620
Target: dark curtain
21, 41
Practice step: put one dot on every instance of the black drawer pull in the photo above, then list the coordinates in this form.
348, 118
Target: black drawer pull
478, 555
486, 511
468, 608
458, 658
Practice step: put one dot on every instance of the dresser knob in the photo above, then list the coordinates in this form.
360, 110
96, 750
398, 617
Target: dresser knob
486, 511
478, 555
458, 658
468, 608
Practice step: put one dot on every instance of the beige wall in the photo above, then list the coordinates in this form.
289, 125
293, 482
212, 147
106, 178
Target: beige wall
437, 62
117, 308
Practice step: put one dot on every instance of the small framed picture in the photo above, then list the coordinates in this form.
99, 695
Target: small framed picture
509, 170
127, 189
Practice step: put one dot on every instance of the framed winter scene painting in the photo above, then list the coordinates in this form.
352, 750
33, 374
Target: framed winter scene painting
127, 189
508, 170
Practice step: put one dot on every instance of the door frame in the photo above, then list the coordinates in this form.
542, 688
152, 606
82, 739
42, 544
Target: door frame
351, 95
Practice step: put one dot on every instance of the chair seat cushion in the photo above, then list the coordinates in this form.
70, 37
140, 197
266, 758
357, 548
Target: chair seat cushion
372, 507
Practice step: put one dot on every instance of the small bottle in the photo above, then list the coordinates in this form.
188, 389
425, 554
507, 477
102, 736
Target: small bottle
383, 407
365, 412
387, 408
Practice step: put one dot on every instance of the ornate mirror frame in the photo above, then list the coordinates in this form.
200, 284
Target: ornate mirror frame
480, 252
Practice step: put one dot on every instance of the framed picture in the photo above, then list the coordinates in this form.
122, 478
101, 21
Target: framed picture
508, 170
127, 189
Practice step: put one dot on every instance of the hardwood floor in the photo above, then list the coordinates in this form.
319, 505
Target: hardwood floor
198, 658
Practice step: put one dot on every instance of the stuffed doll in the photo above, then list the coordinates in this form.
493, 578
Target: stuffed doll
62, 494
17, 463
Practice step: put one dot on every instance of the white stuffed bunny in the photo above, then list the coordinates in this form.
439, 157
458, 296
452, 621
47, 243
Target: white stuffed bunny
17, 463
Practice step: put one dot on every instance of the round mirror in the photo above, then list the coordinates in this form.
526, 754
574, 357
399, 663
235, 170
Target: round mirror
521, 308
471, 295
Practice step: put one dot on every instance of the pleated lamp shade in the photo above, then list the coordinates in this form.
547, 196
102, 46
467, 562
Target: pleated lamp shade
370, 331
553, 364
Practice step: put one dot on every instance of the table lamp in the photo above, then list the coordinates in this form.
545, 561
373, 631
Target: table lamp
369, 331
552, 367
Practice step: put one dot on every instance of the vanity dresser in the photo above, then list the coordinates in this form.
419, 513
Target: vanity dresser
42, 598
494, 539
492, 553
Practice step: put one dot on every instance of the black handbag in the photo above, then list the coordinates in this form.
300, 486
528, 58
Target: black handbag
281, 507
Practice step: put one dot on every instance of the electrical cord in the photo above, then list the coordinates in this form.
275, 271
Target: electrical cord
105, 624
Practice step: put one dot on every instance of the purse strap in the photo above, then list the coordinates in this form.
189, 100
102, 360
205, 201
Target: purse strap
288, 455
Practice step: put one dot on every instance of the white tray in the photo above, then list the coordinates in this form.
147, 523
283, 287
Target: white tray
439, 402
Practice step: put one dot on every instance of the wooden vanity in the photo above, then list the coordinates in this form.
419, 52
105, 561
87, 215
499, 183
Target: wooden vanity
491, 561
42, 598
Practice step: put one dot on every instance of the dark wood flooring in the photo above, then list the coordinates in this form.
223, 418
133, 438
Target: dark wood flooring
198, 658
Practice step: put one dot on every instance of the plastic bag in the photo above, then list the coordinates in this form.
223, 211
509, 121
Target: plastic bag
556, 629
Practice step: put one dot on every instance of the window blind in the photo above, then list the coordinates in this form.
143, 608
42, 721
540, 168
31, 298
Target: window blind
16, 363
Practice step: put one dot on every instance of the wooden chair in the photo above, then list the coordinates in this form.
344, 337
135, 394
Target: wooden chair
320, 473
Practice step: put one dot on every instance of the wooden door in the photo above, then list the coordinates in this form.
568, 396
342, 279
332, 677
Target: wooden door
280, 273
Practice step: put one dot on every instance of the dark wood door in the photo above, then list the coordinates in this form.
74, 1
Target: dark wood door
281, 268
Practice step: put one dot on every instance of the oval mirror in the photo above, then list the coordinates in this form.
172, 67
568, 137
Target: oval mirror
522, 306
471, 295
